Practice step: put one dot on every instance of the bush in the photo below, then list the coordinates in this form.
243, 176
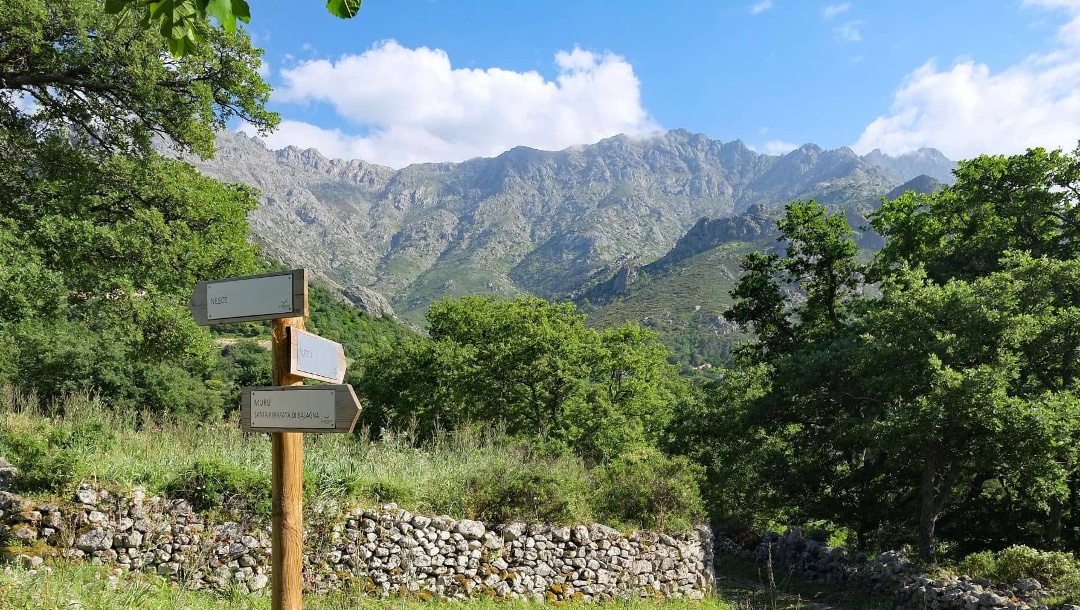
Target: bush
1052, 569
49, 449
649, 488
214, 485
537, 492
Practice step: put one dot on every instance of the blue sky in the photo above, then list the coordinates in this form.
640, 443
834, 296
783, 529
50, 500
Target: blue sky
442, 80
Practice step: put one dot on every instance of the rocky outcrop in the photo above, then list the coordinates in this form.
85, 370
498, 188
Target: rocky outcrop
385, 551
375, 304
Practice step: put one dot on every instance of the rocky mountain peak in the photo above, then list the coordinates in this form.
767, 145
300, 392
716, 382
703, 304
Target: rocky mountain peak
529, 220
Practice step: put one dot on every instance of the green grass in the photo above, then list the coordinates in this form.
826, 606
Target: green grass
87, 587
81, 439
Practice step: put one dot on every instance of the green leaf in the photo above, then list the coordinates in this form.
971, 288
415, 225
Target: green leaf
346, 9
115, 7
227, 12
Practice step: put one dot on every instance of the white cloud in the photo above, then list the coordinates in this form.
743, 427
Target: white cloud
967, 109
761, 7
264, 68
22, 102
778, 147
835, 9
848, 32
411, 105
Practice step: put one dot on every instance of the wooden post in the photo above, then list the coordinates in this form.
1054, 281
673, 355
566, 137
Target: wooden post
288, 485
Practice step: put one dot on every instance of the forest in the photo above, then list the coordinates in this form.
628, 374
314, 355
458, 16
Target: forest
927, 398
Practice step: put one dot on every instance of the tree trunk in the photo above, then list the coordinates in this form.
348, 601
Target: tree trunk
927, 515
1053, 527
934, 490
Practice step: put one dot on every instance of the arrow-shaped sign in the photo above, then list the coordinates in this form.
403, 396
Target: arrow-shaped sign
313, 408
254, 297
314, 357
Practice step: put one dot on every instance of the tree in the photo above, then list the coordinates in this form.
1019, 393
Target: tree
999, 204
69, 72
534, 367
185, 23
111, 236
1015, 219
820, 265
948, 394
940, 362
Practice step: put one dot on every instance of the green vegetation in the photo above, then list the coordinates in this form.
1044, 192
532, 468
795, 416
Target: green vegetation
684, 305
929, 396
185, 24
755, 586
532, 366
101, 238
101, 588
469, 473
1053, 569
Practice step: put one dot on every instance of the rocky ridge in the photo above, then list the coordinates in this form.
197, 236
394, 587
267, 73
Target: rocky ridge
525, 221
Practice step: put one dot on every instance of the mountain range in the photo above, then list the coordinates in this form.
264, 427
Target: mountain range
550, 223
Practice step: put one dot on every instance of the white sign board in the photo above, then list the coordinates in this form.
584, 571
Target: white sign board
314, 357
243, 298
256, 297
311, 409
299, 408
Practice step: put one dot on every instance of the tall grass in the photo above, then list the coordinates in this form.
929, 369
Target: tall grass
79, 438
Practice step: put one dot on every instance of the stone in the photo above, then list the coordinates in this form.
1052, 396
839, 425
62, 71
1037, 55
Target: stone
513, 531
179, 508
989, 598
560, 534
469, 529
258, 582
1027, 584
86, 495
580, 534
29, 562
24, 532
96, 539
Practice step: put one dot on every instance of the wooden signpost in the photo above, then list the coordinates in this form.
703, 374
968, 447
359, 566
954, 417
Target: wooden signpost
287, 409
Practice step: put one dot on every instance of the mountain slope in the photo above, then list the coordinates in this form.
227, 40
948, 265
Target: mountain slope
526, 221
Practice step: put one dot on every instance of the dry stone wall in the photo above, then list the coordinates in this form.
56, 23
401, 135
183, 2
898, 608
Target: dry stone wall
388, 551
889, 573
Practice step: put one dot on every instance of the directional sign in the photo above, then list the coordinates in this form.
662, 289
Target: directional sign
313, 408
254, 297
314, 357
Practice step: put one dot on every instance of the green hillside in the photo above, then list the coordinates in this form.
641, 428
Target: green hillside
685, 304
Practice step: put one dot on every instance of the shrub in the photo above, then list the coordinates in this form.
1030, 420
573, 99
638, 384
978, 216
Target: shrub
649, 488
42, 466
49, 450
214, 485
1051, 568
536, 491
